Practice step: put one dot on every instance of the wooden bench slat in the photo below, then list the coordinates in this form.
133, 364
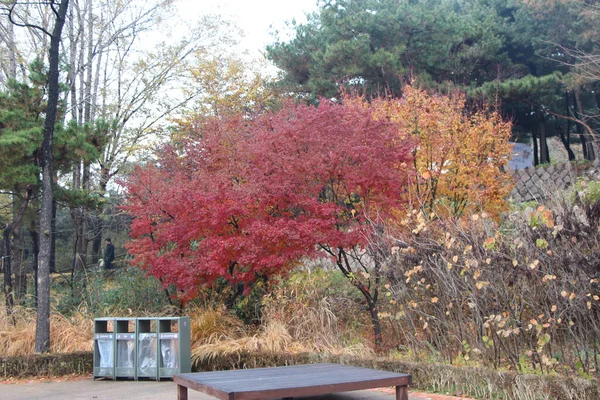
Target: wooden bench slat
290, 381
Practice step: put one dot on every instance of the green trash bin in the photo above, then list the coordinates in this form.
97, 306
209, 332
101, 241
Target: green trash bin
173, 346
147, 348
104, 348
125, 349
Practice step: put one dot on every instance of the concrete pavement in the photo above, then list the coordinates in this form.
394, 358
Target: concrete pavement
143, 390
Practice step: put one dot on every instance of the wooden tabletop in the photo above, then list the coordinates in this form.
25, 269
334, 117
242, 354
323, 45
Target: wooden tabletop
291, 381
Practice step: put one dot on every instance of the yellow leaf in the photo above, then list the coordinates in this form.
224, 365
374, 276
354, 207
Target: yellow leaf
434, 299
547, 278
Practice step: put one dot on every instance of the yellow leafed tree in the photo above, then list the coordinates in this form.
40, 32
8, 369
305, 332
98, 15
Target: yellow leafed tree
461, 157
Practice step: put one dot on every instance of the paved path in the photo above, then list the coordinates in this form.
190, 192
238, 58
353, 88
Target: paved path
150, 390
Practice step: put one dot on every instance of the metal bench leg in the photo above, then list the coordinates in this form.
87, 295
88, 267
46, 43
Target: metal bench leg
182, 392
401, 392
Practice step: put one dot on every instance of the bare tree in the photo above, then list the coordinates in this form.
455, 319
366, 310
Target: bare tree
116, 80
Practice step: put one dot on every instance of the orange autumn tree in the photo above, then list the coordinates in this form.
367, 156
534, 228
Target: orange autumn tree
461, 158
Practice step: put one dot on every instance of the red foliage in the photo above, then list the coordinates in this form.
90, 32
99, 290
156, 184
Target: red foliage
247, 198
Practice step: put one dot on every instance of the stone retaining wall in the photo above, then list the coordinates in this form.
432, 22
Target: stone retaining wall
540, 182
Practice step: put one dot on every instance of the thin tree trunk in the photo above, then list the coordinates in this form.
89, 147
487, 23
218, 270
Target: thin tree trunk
541, 125
565, 136
579, 129
370, 297
536, 157
9, 301
87, 119
82, 65
35, 242
42, 332
590, 145
8, 257
53, 241
18, 260
72, 75
97, 239
76, 211
87, 116
12, 53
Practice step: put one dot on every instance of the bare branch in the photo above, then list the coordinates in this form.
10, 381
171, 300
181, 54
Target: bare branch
11, 13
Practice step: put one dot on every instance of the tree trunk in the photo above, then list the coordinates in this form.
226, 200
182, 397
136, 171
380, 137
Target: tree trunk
12, 53
541, 126
565, 136
8, 258
7, 269
42, 332
97, 239
370, 296
53, 241
18, 260
565, 140
589, 150
72, 75
536, 157
35, 242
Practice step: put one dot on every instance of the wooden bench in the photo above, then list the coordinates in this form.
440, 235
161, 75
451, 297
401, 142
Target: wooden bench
289, 382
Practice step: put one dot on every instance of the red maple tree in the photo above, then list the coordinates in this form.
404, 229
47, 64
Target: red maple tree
248, 198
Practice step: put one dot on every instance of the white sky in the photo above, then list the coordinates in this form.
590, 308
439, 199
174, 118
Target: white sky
254, 17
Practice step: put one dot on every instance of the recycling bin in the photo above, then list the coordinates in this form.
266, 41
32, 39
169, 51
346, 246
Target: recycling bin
125, 348
104, 348
147, 348
173, 346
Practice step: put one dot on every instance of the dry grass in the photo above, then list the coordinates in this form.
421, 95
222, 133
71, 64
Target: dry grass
212, 326
294, 321
290, 325
67, 335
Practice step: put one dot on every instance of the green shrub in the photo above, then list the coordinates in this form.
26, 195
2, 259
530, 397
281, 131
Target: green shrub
124, 290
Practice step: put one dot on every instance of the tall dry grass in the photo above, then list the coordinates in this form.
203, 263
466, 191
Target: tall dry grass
298, 315
67, 334
295, 318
